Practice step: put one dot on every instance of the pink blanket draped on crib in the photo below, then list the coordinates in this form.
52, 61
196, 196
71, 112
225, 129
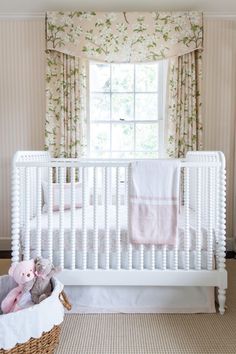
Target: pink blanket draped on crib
154, 201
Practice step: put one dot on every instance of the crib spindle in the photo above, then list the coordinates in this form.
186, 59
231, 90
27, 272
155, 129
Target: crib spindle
141, 257
153, 258
176, 246
39, 205
84, 219
217, 214
27, 215
187, 225
118, 251
56, 175
72, 173
21, 173
164, 257
130, 247
15, 204
221, 231
176, 250
50, 215
61, 217
95, 224
107, 247
210, 220
205, 191
198, 218
176, 256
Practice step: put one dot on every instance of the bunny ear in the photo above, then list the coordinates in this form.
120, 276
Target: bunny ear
12, 268
37, 259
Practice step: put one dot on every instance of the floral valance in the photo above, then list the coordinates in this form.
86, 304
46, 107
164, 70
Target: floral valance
124, 36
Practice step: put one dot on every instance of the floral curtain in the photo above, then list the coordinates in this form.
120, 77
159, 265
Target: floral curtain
65, 131
75, 37
184, 123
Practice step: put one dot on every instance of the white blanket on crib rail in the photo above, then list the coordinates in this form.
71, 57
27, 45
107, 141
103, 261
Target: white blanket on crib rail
153, 201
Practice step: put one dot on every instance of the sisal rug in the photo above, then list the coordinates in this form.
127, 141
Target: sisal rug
153, 333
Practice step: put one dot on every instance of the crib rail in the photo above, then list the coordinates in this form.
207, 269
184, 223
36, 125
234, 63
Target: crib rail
105, 163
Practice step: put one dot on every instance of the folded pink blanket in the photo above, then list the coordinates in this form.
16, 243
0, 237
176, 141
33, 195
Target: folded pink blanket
154, 201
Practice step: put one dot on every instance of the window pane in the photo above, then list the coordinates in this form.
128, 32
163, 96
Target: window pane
146, 106
123, 155
147, 137
122, 137
146, 77
122, 77
100, 154
122, 106
100, 77
100, 106
146, 155
100, 137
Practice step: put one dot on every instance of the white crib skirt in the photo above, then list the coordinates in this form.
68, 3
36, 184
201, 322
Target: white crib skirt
117, 299
140, 299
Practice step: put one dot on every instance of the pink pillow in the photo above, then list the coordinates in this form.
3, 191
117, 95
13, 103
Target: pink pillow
67, 196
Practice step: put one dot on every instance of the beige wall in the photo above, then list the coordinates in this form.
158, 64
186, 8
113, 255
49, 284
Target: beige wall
22, 107
219, 112
21, 99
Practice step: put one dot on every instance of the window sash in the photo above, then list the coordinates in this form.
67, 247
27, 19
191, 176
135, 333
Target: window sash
159, 119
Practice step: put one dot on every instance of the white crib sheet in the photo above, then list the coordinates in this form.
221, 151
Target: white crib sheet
101, 230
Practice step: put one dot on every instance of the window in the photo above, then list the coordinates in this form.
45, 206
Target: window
126, 109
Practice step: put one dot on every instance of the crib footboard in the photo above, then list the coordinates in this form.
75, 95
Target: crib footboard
75, 212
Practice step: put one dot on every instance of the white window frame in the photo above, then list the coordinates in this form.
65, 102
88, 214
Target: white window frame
161, 97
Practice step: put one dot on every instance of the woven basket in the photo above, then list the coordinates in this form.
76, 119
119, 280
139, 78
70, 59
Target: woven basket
46, 344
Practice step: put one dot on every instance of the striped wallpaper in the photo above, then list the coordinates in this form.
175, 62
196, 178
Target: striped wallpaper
22, 104
22, 107
219, 114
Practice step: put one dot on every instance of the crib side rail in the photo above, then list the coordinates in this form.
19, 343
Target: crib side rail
210, 201
21, 184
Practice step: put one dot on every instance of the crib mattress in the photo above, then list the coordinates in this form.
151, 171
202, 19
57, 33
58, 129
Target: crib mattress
101, 230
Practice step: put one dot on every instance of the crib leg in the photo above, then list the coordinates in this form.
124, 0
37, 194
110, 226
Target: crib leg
221, 299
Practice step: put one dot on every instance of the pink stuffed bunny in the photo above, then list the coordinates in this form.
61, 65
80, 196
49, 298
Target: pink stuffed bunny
19, 297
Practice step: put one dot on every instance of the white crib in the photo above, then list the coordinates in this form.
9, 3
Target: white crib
91, 243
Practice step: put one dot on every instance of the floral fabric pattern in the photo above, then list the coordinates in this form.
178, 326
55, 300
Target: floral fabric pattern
124, 36
65, 130
184, 132
73, 38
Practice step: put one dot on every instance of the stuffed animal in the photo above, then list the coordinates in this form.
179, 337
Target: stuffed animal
42, 288
19, 297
